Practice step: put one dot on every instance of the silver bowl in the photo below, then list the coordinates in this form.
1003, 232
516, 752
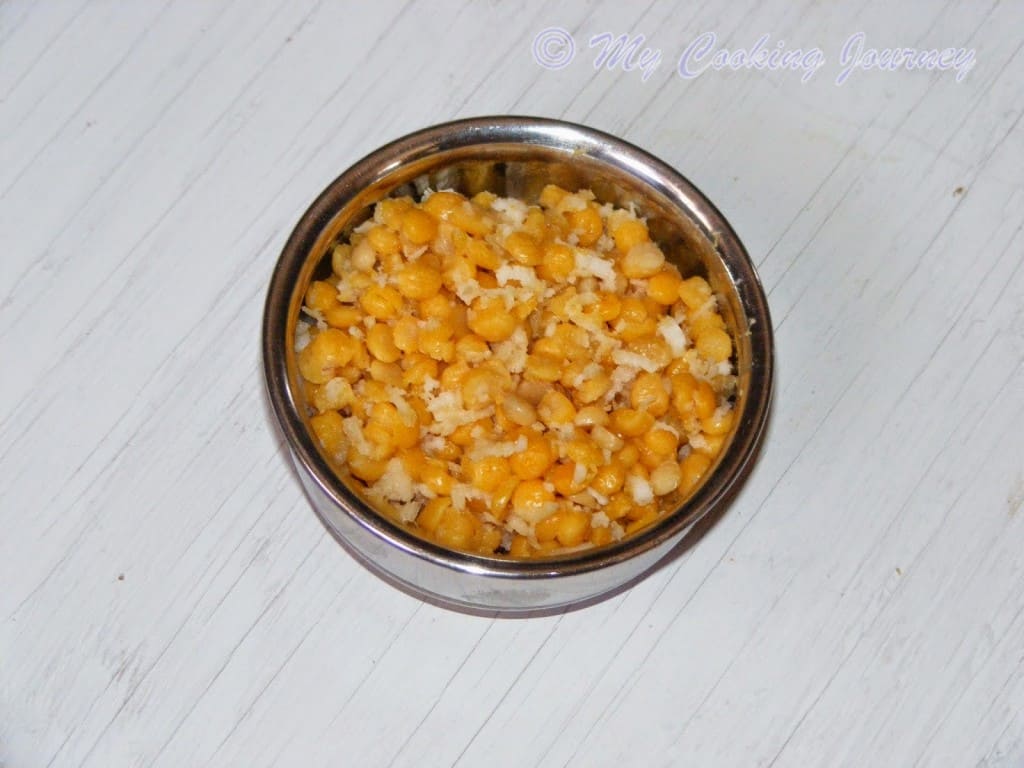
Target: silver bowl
517, 156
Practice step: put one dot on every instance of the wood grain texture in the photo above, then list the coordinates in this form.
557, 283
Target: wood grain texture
168, 597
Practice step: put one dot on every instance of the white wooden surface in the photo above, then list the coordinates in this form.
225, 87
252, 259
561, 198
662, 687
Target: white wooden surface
167, 598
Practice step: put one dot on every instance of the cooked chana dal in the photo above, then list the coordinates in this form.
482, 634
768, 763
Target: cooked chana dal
515, 380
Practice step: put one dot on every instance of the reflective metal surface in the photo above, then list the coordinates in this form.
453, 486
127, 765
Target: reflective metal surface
517, 156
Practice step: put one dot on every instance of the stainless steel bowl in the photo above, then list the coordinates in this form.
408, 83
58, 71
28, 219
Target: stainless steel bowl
517, 156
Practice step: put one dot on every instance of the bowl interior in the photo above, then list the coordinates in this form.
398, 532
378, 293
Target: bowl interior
690, 230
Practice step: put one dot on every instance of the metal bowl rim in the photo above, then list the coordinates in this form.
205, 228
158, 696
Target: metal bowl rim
563, 137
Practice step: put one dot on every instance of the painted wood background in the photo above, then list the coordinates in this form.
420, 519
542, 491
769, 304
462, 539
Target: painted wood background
167, 597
